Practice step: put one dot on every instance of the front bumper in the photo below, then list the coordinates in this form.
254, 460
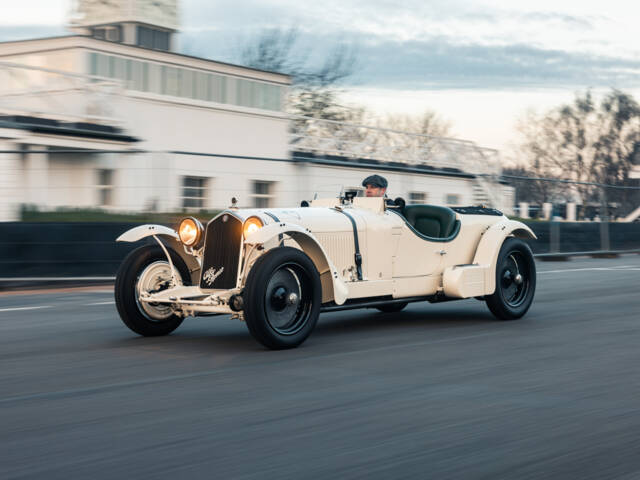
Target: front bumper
191, 300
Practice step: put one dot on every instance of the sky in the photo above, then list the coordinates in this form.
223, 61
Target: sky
481, 65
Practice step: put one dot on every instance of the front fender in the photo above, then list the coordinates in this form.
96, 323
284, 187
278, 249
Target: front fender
333, 288
490, 244
148, 230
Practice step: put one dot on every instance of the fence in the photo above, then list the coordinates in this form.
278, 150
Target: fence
348, 140
59, 95
574, 200
72, 250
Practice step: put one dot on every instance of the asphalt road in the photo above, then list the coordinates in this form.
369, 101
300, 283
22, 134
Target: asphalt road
437, 391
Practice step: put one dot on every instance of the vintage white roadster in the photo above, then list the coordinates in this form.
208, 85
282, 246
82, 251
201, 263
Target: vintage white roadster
278, 269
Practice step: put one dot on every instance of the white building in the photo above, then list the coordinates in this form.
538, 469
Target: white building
111, 116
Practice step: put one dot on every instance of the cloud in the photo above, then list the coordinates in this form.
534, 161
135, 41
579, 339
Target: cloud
442, 62
435, 44
443, 44
25, 32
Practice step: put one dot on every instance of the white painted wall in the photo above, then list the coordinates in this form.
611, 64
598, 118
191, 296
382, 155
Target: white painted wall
143, 180
71, 179
188, 125
146, 180
10, 182
67, 60
167, 125
35, 178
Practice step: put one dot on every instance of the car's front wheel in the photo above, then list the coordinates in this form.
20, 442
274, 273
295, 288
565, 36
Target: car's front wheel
146, 270
282, 298
515, 281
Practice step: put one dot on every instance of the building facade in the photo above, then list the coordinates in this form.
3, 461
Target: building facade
112, 116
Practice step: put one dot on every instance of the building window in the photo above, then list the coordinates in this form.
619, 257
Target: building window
453, 199
194, 192
187, 83
155, 78
160, 40
170, 81
144, 37
105, 187
185, 80
113, 33
99, 65
262, 194
243, 93
417, 198
152, 38
217, 88
200, 86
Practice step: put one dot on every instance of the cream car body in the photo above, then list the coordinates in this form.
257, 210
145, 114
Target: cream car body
365, 253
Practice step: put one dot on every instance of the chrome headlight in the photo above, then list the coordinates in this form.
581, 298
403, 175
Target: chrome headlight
190, 231
251, 224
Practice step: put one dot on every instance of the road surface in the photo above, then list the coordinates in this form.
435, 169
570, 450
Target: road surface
436, 391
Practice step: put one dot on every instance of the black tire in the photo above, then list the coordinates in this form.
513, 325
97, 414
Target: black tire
513, 296
274, 317
392, 307
131, 311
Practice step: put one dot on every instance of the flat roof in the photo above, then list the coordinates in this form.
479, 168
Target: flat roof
57, 127
139, 48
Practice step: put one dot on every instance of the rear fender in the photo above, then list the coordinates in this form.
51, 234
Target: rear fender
333, 288
489, 248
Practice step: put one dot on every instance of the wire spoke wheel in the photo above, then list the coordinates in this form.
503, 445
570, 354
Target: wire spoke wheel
155, 278
146, 270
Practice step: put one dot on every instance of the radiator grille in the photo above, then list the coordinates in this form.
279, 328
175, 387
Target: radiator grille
222, 244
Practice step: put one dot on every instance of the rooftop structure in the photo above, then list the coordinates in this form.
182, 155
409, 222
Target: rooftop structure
112, 116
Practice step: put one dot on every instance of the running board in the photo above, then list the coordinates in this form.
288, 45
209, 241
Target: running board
377, 302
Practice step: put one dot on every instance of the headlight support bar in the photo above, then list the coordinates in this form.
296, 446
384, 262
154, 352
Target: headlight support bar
166, 252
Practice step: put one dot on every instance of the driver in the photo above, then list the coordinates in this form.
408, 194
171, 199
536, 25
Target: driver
376, 186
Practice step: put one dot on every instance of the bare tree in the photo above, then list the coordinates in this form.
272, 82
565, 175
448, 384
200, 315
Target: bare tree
273, 50
617, 147
315, 88
429, 123
536, 159
320, 118
587, 142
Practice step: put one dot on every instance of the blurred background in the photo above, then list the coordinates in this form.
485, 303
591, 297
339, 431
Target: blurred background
137, 110
115, 113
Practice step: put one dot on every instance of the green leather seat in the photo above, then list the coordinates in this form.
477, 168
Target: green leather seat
431, 220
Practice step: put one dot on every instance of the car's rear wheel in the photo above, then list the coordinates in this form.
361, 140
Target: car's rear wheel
515, 281
282, 298
392, 307
147, 270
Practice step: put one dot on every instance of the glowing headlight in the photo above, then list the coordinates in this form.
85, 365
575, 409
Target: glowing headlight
190, 231
251, 224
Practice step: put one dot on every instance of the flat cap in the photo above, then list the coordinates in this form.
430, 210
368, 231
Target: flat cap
376, 181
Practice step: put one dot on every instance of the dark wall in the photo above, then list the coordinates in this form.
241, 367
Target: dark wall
62, 249
568, 237
90, 249
543, 232
625, 236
